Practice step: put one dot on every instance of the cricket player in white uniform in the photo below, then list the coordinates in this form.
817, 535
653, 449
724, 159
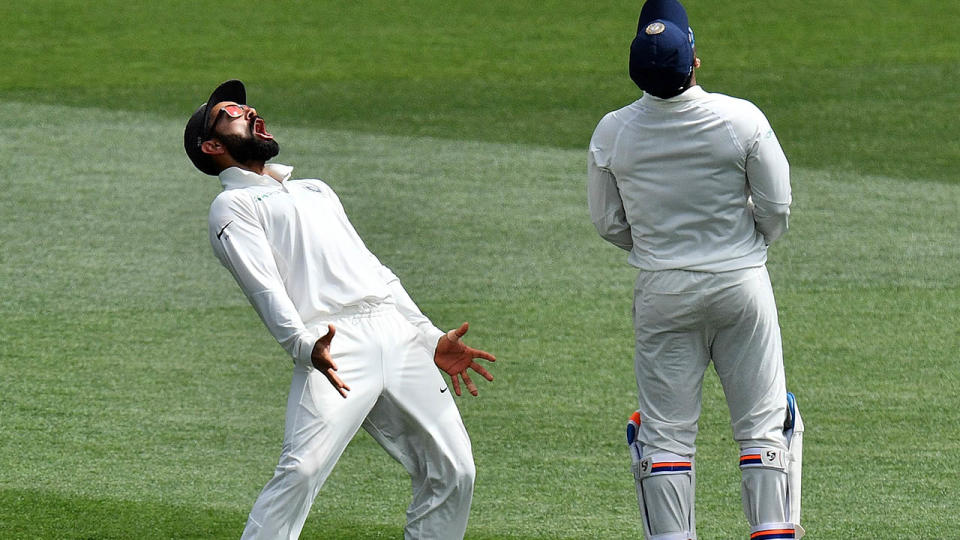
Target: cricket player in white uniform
363, 353
696, 187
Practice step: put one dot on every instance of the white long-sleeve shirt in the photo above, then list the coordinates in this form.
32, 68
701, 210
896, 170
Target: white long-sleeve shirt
696, 182
298, 259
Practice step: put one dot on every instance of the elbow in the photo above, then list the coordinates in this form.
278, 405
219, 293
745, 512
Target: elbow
781, 211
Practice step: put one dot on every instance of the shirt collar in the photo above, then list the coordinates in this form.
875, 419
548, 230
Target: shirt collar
235, 177
690, 94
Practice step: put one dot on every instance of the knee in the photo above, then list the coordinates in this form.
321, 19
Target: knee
456, 477
297, 470
464, 473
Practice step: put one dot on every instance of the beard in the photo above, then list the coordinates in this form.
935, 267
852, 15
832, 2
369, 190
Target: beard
247, 149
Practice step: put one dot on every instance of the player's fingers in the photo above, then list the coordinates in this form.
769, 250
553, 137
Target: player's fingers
337, 382
481, 370
477, 353
462, 331
325, 362
471, 386
454, 335
456, 383
322, 360
334, 378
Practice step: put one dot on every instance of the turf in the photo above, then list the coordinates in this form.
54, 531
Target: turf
141, 397
863, 86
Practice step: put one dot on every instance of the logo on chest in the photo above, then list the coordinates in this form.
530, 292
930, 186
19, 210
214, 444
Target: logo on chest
267, 195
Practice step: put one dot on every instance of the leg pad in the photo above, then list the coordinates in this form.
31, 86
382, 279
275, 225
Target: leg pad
665, 490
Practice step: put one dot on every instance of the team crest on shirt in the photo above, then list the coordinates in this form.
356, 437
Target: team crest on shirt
263, 196
654, 28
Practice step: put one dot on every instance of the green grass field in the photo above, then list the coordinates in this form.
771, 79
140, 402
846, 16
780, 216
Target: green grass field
141, 397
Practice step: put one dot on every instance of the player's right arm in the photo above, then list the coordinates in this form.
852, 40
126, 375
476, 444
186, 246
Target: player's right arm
603, 195
239, 242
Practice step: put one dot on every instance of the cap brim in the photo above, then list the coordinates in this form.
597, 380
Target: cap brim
232, 90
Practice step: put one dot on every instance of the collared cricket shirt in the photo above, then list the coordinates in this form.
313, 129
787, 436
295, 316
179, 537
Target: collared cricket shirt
696, 182
297, 257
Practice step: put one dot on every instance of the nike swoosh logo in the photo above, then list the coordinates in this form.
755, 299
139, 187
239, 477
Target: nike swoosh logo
444, 389
219, 234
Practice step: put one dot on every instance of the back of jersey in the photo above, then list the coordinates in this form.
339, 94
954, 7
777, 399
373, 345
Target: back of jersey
681, 169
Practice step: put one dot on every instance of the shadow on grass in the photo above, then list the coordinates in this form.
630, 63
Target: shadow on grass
41, 515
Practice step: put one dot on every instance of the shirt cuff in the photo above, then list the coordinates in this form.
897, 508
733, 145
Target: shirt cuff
305, 350
432, 334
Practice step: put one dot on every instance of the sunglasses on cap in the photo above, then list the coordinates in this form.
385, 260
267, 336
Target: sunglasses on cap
233, 111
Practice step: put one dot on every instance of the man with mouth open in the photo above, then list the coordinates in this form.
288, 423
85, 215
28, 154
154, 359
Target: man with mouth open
300, 263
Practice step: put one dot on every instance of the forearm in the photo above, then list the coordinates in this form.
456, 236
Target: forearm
279, 315
615, 234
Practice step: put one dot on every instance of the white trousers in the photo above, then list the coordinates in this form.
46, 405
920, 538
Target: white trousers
399, 396
682, 321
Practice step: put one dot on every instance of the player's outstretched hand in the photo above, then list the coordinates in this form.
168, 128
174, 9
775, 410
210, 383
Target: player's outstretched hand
323, 361
454, 357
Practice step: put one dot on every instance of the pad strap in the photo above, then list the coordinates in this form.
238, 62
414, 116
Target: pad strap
767, 458
772, 531
664, 463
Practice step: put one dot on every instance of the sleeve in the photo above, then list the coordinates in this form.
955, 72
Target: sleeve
768, 179
603, 195
239, 242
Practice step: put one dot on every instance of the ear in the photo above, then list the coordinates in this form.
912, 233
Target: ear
696, 62
213, 147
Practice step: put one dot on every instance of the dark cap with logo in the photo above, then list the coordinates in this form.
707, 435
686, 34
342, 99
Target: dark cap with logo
661, 55
196, 130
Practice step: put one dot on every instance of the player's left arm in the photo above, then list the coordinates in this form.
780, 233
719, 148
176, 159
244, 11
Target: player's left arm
768, 178
603, 195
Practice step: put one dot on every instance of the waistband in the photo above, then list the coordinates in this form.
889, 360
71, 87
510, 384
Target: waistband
680, 281
359, 311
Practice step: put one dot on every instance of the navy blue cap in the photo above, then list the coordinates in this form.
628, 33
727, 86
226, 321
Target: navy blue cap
661, 55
